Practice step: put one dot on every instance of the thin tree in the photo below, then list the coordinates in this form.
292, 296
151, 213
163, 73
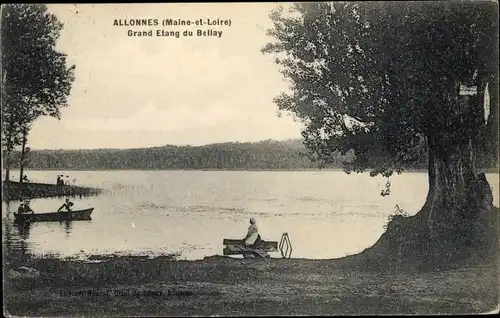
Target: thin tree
35, 78
386, 79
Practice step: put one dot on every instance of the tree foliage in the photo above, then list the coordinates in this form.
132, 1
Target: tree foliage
384, 77
35, 77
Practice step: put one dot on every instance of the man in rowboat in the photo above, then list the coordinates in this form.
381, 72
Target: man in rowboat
67, 205
24, 207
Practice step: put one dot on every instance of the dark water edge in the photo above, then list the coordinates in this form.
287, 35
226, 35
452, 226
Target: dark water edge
16, 191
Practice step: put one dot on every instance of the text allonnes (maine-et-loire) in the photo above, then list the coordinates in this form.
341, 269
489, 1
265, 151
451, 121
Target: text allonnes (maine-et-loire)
202, 27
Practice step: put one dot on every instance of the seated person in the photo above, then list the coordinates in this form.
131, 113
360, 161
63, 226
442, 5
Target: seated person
24, 207
252, 237
20, 209
66, 205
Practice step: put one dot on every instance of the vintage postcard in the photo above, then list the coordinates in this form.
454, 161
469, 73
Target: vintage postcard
250, 159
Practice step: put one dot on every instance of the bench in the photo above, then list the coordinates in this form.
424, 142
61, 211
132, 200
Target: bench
237, 247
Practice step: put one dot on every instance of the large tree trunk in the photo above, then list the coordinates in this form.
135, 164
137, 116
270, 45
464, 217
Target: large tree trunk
458, 212
456, 190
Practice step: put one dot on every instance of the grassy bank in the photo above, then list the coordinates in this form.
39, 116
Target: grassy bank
225, 286
16, 191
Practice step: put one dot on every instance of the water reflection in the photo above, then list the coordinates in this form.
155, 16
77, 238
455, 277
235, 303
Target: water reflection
16, 238
68, 225
9, 206
23, 230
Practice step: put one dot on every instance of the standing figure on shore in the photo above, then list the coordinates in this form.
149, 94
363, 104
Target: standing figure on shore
58, 182
252, 236
66, 205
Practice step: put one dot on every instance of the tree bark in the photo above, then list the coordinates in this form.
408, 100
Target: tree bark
21, 160
7, 152
7, 166
456, 190
8, 149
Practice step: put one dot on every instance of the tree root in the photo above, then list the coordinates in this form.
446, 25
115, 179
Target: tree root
407, 244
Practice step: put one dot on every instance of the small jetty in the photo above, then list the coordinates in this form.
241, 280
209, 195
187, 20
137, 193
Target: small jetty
17, 191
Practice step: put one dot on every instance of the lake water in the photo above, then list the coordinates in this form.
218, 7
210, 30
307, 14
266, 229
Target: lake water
327, 214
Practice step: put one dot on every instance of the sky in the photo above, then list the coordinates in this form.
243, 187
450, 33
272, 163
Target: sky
134, 92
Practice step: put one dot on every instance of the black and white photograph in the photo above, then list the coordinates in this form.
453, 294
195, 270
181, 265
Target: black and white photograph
250, 159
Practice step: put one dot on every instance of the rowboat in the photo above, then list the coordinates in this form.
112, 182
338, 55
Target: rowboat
76, 215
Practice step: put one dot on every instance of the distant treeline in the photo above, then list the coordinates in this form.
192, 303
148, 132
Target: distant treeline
245, 156
262, 155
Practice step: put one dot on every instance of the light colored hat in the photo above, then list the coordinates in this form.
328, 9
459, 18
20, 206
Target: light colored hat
252, 220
